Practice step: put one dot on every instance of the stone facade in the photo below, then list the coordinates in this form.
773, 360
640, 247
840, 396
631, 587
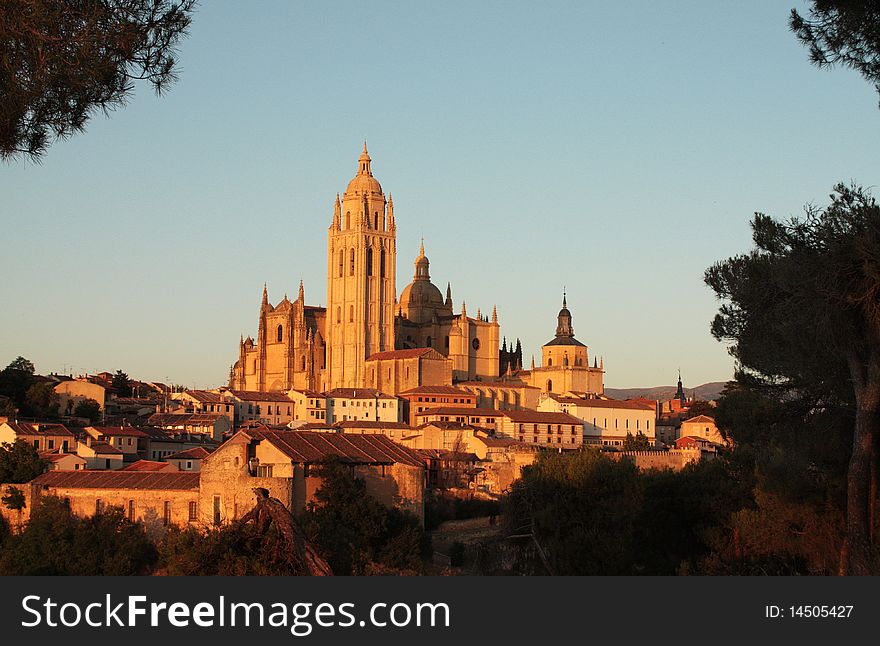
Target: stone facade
319, 348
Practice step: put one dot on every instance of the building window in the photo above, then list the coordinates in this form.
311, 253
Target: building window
475, 344
549, 385
99, 505
131, 510
217, 518
370, 261
446, 342
193, 511
280, 333
428, 342
37, 444
264, 471
339, 315
341, 261
351, 262
382, 264
549, 361
303, 363
51, 444
376, 220
166, 513
348, 219
351, 313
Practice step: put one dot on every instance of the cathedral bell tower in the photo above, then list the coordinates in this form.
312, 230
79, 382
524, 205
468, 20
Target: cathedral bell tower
360, 278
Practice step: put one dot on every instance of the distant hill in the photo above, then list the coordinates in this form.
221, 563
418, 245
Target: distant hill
706, 392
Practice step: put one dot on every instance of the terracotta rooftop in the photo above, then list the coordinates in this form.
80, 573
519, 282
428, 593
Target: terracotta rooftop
497, 384
700, 419
309, 447
195, 453
116, 431
179, 480
400, 354
55, 456
21, 428
102, 448
205, 396
149, 465
625, 404
357, 393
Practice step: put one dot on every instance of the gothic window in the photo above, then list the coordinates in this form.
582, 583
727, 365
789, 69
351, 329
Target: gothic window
348, 219
280, 333
341, 261
370, 261
549, 361
428, 342
303, 363
376, 220
549, 385
382, 265
339, 315
351, 263
351, 313
565, 360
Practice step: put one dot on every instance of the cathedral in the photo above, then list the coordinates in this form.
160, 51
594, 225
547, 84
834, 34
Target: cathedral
364, 333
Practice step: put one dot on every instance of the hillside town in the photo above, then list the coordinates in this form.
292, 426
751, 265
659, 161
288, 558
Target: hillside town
418, 399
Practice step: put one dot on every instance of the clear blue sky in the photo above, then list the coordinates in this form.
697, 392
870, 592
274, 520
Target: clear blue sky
615, 148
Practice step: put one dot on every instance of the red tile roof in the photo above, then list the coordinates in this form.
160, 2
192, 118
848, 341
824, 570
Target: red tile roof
310, 447
102, 448
497, 384
113, 431
625, 404
54, 456
21, 428
400, 354
149, 465
700, 419
183, 419
177, 480
195, 453
205, 396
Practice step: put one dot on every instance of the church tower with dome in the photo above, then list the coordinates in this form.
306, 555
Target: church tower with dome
366, 337
361, 251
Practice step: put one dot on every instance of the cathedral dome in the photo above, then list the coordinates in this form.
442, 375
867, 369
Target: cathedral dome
364, 182
421, 298
421, 292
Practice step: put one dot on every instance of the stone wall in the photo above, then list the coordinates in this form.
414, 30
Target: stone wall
675, 459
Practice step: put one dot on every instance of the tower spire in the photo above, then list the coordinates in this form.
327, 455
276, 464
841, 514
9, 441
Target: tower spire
337, 214
449, 295
265, 303
301, 295
494, 314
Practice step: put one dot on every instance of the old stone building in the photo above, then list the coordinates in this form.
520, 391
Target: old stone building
320, 348
222, 490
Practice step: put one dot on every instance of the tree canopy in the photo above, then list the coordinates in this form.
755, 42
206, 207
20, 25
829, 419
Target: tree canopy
63, 60
19, 462
842, 32
802, 312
